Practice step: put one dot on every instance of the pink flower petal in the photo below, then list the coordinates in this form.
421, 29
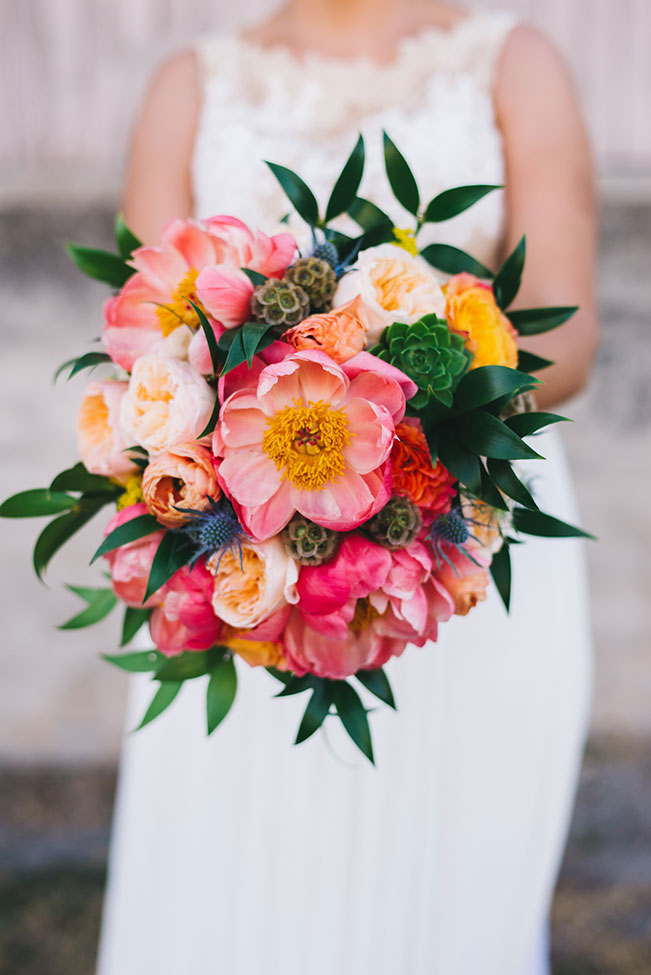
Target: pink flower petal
268, 519
372, 438
250, 477
366, 362
225, 294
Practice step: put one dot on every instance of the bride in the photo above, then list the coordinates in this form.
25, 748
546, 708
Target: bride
240, 854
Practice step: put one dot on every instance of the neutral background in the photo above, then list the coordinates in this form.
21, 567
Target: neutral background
71, 76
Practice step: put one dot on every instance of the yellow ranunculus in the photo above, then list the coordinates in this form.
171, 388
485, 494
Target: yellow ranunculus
471, 310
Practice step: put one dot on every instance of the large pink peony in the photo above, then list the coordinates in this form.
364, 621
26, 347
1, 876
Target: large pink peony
309, 439
153, 308
364, 647
184, 618
130, 565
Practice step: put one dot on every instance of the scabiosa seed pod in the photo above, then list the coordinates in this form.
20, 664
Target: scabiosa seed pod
317, 279
327, 252
280, 303
397, 524
309, 544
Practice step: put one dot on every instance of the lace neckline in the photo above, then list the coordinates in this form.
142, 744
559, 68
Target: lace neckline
408, 46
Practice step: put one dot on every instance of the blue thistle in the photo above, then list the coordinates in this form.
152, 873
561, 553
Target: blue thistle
216, 530
451, 529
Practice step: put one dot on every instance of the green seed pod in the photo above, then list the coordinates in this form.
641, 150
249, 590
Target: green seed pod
396, 525
317, 279
309, 544
280, 303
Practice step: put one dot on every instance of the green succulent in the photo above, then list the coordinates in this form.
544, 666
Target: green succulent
396, 525
317, 279
429, 353
308, 543
280, 303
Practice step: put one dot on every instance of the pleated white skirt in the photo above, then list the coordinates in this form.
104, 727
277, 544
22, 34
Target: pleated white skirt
243, 855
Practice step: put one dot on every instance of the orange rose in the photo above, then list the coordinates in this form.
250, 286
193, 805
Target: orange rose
341, 333
465, 579
258, 653
471, 311
485, 523
183, 477
414, 477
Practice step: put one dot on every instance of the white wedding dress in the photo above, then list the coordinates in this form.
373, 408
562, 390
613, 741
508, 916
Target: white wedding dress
243, 855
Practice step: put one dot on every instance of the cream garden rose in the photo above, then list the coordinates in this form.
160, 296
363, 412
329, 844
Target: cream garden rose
99, 438
394, 286
249, 590
167, 403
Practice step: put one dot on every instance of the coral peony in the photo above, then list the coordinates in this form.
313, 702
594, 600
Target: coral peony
309, 439
471, 311
341, 334
167, 403
130, 565
414, 477
394, 286
183, 477
184, 619
99, 438
252, 583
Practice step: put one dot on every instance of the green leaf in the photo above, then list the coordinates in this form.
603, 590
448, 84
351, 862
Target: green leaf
125, 239
175, 551
377, 682
236, 354
345, 189
528, 362
507, 280
90, 360
190, 664
353, 716
368, 216
37, 503
99, 606
488, 383
534, 321
59, 531
524, 424
253, 335
298, 191
139, 662
254, 276
501, 572
316, 711
453, 202
488, 436
210, 337
282, 675
461, 462
509, 482
297, 685
162, 699
134, 619
451, 260
490, 492
220, 694
211, 424
400, 176
77, 478
545, 526
130, 531
101, 265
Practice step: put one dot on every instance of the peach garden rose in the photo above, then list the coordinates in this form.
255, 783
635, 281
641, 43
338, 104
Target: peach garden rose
100, 440
341, 333
183, 477
252, 584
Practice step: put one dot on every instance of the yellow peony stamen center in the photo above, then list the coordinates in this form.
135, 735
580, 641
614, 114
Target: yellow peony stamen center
406, 239
365, 614
179, 311
306, 443
132, 493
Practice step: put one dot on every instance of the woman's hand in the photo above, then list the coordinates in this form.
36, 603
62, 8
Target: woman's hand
551, 198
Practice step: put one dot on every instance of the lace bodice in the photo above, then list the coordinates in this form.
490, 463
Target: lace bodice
435, 101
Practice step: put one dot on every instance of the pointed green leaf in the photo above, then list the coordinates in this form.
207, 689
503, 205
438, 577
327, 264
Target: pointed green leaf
353, 716
139, 662
99, 607
253, 334
488, 383
236, 354
77, 478
254, 276
490, 492
220, 693
507, 280
59, 531
534, 321
130, 531
501, 572
400, 176
377, 682
368, 216
296, 685
282, 675
347, 184
37, 503
524, 424
210, 337
90, 360
545, 526
528, 362
488, 436
189, 665
134, 619
298, 191
453, 202
100, 265
125, 239
509, 482
316, 711
461, 462
451, 260
162, 699
175, 551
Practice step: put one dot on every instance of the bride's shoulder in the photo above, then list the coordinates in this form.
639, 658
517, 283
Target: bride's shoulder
531, 72
176, 81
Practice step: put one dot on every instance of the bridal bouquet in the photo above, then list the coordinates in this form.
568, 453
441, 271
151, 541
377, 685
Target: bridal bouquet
309, 457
